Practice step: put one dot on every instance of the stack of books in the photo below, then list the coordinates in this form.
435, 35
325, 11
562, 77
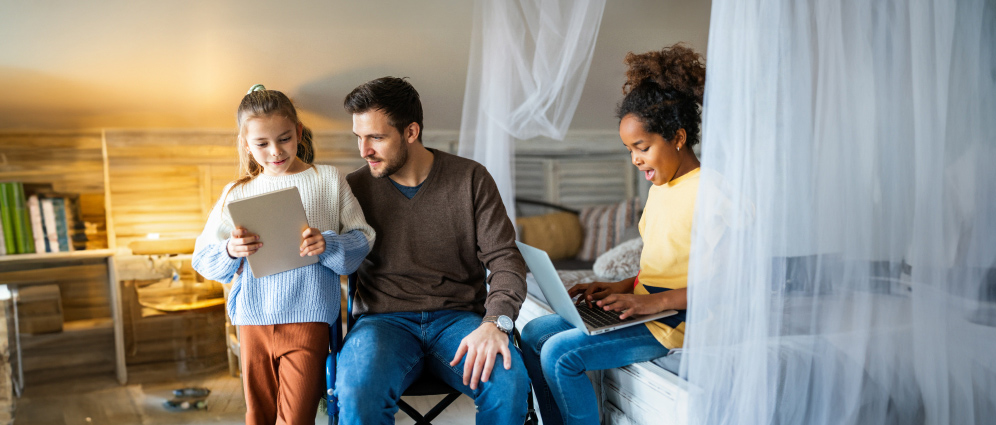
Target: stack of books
34, 219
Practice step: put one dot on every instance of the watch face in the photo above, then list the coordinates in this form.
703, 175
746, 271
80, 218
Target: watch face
505, 323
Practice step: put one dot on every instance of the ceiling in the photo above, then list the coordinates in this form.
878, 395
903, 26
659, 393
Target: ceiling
186, 64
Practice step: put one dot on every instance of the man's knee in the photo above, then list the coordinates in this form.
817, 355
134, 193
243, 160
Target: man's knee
361, 386
354, 393
362, 403
504, 385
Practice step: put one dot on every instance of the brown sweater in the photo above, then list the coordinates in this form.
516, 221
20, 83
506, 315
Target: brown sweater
432, 250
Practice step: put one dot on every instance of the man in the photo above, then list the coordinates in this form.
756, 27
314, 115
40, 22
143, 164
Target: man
422, 301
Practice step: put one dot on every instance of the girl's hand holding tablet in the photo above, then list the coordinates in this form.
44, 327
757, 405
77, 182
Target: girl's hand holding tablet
314, 242
243, 243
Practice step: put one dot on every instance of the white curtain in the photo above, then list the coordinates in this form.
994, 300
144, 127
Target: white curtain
844, 253
529, 60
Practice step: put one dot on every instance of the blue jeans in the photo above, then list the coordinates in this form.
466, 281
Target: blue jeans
383, 354
557, 355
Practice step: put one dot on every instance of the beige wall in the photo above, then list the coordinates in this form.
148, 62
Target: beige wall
185, 64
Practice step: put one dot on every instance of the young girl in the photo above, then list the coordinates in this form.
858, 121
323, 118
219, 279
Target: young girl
659, 123
284, 318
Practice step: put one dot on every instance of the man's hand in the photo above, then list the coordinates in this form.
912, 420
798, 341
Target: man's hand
242, 243
591, 292
314, 242
481, 347
632, 305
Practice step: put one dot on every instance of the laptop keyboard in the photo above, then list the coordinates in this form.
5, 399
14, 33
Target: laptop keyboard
596, 317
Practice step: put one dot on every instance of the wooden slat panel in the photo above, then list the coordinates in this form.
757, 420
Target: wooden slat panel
83, 288
185, 182
71, 161
178, 337
54, 274
82, 349
146, 209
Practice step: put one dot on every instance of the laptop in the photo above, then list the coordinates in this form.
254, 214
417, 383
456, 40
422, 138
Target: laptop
592, 321
279, 219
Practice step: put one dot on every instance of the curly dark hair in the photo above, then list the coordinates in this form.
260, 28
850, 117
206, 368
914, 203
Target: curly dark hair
664, 90
395, 96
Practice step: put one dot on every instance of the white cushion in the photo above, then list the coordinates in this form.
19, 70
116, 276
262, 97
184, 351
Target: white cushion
620, 262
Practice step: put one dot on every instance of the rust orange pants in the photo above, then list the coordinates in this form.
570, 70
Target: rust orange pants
283, 370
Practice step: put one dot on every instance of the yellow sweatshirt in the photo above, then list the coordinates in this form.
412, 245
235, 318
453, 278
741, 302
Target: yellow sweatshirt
666, 227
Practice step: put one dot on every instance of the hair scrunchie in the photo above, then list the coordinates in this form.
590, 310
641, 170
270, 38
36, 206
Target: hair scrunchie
256, 87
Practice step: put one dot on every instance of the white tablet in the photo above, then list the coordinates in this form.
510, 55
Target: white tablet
278, 218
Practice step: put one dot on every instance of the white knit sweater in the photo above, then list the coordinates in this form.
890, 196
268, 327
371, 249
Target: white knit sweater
305, 294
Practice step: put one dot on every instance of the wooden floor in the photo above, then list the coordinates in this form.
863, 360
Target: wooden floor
103, 401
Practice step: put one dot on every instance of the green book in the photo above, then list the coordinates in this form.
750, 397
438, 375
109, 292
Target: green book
3, 244
7, 216
25, 239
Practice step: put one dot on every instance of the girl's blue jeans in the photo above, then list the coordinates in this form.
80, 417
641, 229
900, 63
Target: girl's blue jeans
557, 355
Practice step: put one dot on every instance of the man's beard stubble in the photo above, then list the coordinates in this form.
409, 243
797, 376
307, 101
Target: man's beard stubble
391, 166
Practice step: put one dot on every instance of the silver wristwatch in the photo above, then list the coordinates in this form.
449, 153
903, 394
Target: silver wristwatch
504, 323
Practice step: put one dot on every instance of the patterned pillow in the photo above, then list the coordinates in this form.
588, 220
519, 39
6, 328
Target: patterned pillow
620, 262
605, 225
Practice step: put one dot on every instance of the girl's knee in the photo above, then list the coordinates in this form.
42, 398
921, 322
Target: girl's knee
539, 330
532, 337
559, 354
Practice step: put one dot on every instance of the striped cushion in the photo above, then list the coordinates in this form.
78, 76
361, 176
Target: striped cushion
604, 226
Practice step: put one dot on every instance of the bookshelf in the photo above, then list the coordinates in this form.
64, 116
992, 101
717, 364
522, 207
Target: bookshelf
91, 340
69, 162
54, 256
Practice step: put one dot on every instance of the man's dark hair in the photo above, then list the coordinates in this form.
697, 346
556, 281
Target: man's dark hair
394, 96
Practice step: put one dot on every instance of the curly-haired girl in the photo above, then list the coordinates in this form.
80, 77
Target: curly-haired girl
659, 122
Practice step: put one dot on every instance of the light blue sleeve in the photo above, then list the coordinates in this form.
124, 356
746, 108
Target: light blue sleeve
344, 253
212, 261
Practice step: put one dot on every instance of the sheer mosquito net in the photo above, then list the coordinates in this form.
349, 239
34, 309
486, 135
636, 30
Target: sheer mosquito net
844, 250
